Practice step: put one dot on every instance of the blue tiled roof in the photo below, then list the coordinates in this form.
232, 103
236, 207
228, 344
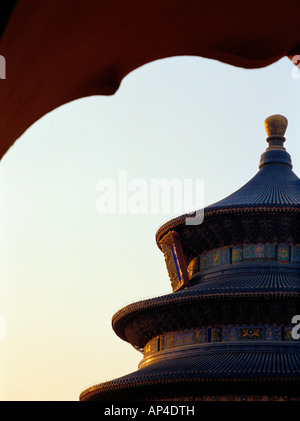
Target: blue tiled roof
244, 284
274, 185
274, 189
250, 282
256, 285
207, 366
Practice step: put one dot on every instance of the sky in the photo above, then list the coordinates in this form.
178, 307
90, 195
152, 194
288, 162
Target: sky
66, 268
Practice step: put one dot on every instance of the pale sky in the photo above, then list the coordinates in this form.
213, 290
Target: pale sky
65, 269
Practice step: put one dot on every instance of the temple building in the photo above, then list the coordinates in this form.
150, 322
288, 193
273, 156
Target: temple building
226, 330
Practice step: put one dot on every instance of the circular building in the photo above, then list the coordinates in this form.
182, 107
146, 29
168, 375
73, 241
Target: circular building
227, 331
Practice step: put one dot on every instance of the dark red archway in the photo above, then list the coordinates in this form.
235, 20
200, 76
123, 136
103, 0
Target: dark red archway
60, 50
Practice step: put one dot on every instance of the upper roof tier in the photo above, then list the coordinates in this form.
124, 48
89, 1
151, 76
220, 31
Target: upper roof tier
274, 186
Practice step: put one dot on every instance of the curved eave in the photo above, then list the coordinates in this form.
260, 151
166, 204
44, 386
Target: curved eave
99, 390
217, 367
175, 300
172, 300
209, 213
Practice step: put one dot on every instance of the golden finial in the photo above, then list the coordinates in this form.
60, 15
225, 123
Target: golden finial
275, 153
276, 125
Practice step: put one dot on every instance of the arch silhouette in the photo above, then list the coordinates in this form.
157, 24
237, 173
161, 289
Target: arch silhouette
58, 51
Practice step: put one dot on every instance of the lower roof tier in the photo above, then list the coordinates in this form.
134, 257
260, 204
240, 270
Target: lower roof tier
223, 367
245, 297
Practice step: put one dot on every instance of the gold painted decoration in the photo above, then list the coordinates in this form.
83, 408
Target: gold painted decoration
175, 260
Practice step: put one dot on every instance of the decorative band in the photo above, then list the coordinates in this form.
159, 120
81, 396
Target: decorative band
282, 253
233, 333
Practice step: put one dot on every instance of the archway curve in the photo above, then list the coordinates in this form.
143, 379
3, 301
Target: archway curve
60, 51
